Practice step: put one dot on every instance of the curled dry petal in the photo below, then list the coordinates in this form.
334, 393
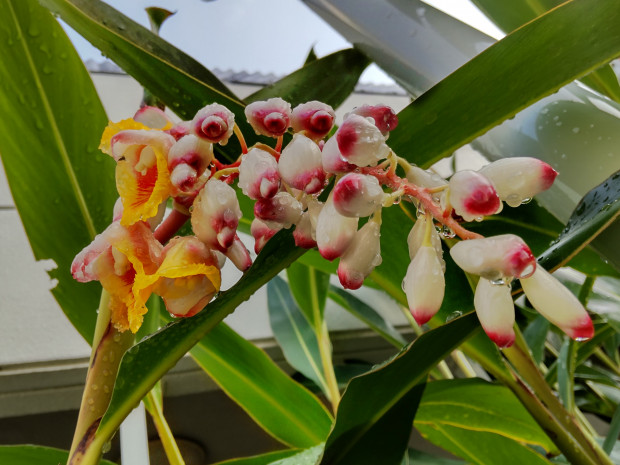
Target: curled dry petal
495, 311
357, 195
188, 159
187, 279
259, 177
362, 256
282, 209
300, 165
424, 285
496, 257
332, 159
261, 233
334, 232
216, 214
314, 118
153, 117
472, 195
557, 304
360, 142
384, 117
269, 118
214, 123
519, 179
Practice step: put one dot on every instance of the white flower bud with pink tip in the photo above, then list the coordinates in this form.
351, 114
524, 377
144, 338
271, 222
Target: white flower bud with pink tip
334, 232
415, 239
270, 117
188, 159
332, 159
314, 118
557, 304
261, 232
357, 195
423, 178
239, 255
424, 284
304, 232
360, 142
362, 256
383, 116
495, 258
282, 209
495, 311
181, 129
519, 179
259, 177
216, 214
472, 195
214, 123
153, 117
300, 165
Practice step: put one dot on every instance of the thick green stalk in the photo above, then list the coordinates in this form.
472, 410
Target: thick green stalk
154, 406
325, 350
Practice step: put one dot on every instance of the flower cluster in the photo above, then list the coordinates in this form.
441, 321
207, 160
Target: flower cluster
330, 189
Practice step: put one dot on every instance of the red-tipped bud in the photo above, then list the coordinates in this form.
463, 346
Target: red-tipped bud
332, 159
424, 285
261, 233
383, 116
496, 257
153, 117
334, 232
282, 209
473, 196
362, 256
269, 118
258, 175
214, 123
300, 165
416, 236
495, 311
360, 142
519, 179
180, 129
315, 118
557, 304
188, 158
357, 195
304, 232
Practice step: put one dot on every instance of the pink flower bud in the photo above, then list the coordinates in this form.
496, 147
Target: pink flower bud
258, 174
557, 304
415, 239
214, 123
496, 257
282, 208
332, 159
423, 178
239, 255
357, 195
153, 117
519, 179
424, 285
216, 214
315, 118
261, 233
472, 195
495, 311
300, 165
360, 142
384, 117
180, 129
188, 159
304, 232
269, 118
362, 256
334, 232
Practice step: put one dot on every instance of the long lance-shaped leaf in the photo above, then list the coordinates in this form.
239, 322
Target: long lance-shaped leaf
64, 189
35, 455
378, 407
283, 408
262, 459
309, 288
528, 64
145, 363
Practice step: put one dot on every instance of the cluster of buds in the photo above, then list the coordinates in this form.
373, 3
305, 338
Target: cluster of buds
324, 184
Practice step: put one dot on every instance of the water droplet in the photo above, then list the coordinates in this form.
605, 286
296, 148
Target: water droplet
559, 123
498, 282
47, 70
117, 338
94, 387
581, 339
33, 31
106, 389
576, 130
91, 401
526, 200
447, 233
112, 356
453, 315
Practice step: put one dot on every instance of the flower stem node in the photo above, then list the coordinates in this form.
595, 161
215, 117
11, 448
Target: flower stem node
269, 117
214, 123
357, 195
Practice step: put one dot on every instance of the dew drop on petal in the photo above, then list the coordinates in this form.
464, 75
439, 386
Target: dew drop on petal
453, 315
498, 282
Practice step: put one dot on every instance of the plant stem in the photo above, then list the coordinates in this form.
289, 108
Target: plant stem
153, 404
463, 364
325, 350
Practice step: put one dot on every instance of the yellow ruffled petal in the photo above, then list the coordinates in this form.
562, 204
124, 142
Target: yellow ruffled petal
114, 128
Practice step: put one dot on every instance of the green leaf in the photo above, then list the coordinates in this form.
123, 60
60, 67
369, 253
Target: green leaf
294, 333
566, 373
283, 408
263, 459
35, 455
309, 287
378, 407
481, 447
535, 335
596, 210
476, 405
507, 77
417, 457
311, 56
367, 314
63, 187
306, 457
157, 16
146, 362
614, 430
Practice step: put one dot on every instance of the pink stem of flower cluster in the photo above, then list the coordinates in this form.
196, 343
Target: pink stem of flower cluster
170, 226
396, 183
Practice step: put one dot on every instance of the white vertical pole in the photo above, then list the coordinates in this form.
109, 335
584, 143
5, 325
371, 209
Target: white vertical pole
134, 440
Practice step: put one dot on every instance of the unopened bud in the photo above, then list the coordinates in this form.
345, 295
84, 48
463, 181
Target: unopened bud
269, 118
495, 311
259, 177
282, 209
334, 232
361, 257
360, 141
332, 159
472, 195
314, 118
300, 165
424, 285
214, 123
383, 116
357, 195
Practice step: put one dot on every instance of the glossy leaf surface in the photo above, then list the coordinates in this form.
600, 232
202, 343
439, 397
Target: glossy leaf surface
263, 459
35, 455
63, 187
390, 395
283, 408
309, 288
